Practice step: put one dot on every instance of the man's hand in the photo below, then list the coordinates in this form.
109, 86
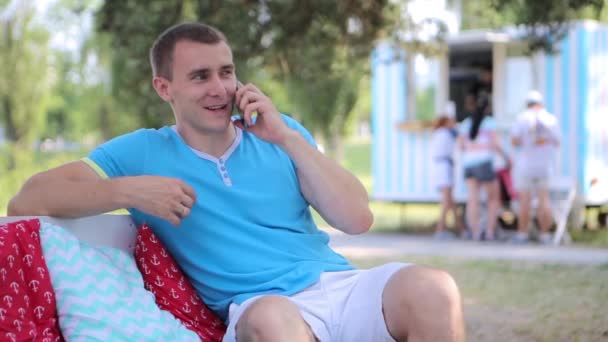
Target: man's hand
269, 125
168, 198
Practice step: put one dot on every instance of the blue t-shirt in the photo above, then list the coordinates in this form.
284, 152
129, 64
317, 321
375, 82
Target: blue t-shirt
250, 231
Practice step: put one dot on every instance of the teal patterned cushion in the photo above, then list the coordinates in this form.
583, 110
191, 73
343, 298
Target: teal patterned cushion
100, 293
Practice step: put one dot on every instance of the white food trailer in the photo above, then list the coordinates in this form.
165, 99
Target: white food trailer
574, 82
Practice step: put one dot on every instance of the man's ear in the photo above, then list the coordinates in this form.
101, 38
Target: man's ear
161, 85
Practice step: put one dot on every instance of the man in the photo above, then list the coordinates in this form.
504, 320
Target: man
230, 200
481, 88
536, 135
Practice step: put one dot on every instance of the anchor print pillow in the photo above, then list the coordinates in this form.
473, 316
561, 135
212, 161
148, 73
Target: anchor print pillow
173, 292
100, 293
27, 300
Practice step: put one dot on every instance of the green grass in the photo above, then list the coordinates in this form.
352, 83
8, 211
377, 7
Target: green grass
519, 301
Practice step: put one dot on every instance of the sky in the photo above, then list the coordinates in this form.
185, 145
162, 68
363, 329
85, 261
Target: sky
64, 35
423, 9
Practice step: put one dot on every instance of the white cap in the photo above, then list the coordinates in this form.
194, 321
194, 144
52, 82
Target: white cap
449, 110
534, 97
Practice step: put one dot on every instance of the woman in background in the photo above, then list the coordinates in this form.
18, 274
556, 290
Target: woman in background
442, 149
479, 143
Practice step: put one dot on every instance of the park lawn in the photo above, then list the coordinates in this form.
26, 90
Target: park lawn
524, 301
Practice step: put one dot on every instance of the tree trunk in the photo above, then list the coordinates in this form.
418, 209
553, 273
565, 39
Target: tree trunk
104, 121
336, 146
10, 129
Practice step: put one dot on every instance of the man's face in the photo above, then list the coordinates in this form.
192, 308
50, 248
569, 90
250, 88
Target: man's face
203, 86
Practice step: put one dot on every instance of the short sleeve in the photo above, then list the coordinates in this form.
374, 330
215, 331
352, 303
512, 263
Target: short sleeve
517, 129
555, 130
489, 124
292, 123
122, 156
463, 128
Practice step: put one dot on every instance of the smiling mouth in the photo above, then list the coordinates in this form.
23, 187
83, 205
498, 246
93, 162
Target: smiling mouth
216, 108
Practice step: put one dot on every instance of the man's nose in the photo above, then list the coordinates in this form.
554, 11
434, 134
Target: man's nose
217, 87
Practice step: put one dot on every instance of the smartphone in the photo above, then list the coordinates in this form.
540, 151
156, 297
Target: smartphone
236, 112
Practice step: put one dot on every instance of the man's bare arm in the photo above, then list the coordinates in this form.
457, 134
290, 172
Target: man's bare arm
76, 190
71, 190
334, 192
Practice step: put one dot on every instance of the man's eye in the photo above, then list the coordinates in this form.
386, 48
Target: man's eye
198, 77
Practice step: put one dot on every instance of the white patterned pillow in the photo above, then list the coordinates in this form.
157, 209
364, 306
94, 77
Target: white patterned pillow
100, 293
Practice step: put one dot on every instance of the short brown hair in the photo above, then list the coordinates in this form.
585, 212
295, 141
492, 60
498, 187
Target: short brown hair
161, 53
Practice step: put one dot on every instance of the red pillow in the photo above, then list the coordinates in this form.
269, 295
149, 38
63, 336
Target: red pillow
173, 292
27, 300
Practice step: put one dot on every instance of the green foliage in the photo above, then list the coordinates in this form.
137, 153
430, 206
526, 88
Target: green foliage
481, 14
425, 104
24, 81
416, 36
27, 163
316, 49
132, 27
82, 104
547, 22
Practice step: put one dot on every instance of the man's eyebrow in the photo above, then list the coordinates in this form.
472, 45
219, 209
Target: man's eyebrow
207, 70
198, 71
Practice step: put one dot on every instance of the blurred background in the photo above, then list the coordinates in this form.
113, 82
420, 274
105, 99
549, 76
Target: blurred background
76, 73
366, 77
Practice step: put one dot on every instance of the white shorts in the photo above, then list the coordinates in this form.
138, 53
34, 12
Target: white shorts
531, 180
341, 307
442, 174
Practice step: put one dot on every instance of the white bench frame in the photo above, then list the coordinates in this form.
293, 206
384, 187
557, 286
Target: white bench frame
105, 230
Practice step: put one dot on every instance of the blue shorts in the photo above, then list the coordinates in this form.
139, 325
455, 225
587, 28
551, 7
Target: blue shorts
483, 172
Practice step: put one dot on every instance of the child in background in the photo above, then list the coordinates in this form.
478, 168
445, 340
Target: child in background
442, 149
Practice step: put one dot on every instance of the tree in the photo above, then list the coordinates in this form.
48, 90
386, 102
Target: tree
24, 53
306, 46
543, 23
322, 60
481, 14
24, 83
547, 22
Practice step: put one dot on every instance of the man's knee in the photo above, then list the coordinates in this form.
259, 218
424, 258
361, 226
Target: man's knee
419, 300
269, 317
422, 286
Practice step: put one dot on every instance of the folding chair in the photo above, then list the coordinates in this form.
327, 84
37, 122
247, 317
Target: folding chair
562, 193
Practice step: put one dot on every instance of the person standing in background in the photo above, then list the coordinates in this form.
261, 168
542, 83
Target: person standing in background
443, 143
478, 143
536, 137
